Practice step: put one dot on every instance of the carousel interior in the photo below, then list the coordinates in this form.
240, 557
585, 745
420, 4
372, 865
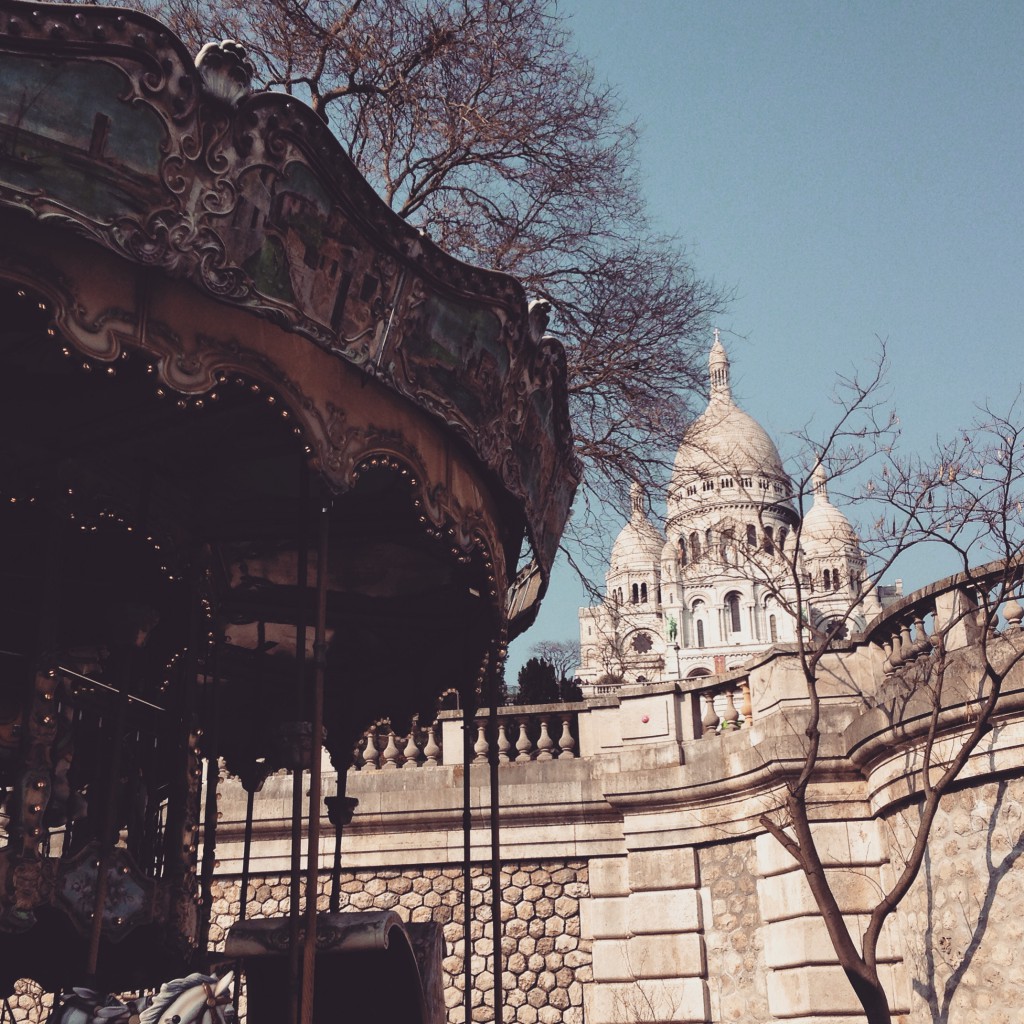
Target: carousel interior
159, 593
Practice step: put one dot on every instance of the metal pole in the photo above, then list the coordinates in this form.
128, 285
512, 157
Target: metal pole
495, 808
295, 879
243, 896
315, 810
108, 821
467, 852
339, 812
212, 781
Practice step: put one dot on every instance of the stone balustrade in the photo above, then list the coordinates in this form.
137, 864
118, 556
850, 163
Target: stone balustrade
381, 748
533, 733
536, 733
950, 613
722, 707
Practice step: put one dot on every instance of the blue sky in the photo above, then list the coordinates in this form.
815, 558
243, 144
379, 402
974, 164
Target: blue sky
851, 171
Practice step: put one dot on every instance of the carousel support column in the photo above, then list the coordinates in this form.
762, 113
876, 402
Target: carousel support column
252, 782
182, 806
212, 781
495, 822
106, 833
468, 754
316, 754
295, 881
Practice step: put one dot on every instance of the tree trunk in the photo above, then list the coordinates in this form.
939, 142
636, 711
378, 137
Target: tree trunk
872, 997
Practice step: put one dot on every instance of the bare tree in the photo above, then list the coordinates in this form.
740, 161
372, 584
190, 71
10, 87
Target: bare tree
479, 122
562, 655
944, 680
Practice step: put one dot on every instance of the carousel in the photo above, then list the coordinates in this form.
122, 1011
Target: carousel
272, 467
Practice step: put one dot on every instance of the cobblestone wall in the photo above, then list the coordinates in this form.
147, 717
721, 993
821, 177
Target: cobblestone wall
546, 960
735, 951
29, 1003
963, 921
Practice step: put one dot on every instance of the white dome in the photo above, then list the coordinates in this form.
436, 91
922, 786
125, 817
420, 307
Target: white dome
640, 542
826, 531
726, 441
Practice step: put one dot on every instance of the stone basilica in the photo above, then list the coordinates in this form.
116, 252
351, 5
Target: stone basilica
736, 567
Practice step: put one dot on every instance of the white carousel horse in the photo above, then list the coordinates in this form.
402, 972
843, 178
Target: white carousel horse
196, 999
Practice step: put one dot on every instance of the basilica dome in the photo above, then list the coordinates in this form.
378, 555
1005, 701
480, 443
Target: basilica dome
726, 448
825, 530
640, 542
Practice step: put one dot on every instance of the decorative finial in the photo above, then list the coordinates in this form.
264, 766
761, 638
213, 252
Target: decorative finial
718, 363
820, 483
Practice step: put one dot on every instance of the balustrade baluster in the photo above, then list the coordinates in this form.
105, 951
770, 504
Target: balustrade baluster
731, 716
746, 704
523, 744
566, 744
481, 748
412, 750
887, 667
544, 743
710, 720
391, 751
922, 645
371, 755
504, 743
432, 750
906, 643
1013, 613
896, 658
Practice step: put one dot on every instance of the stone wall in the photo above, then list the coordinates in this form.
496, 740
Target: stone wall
733, 933
963, 921
28, 1003
547, 960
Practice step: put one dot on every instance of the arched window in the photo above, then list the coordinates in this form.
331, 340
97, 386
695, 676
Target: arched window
636, 593
773, 628
751, 535
827, 581
694, 547
698, 610
835, 579
732, 607
682, 551
769, 541
709, 543
643, 593
783, 534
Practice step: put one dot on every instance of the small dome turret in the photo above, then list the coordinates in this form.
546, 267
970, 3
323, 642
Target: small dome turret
826, 531
639, 543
